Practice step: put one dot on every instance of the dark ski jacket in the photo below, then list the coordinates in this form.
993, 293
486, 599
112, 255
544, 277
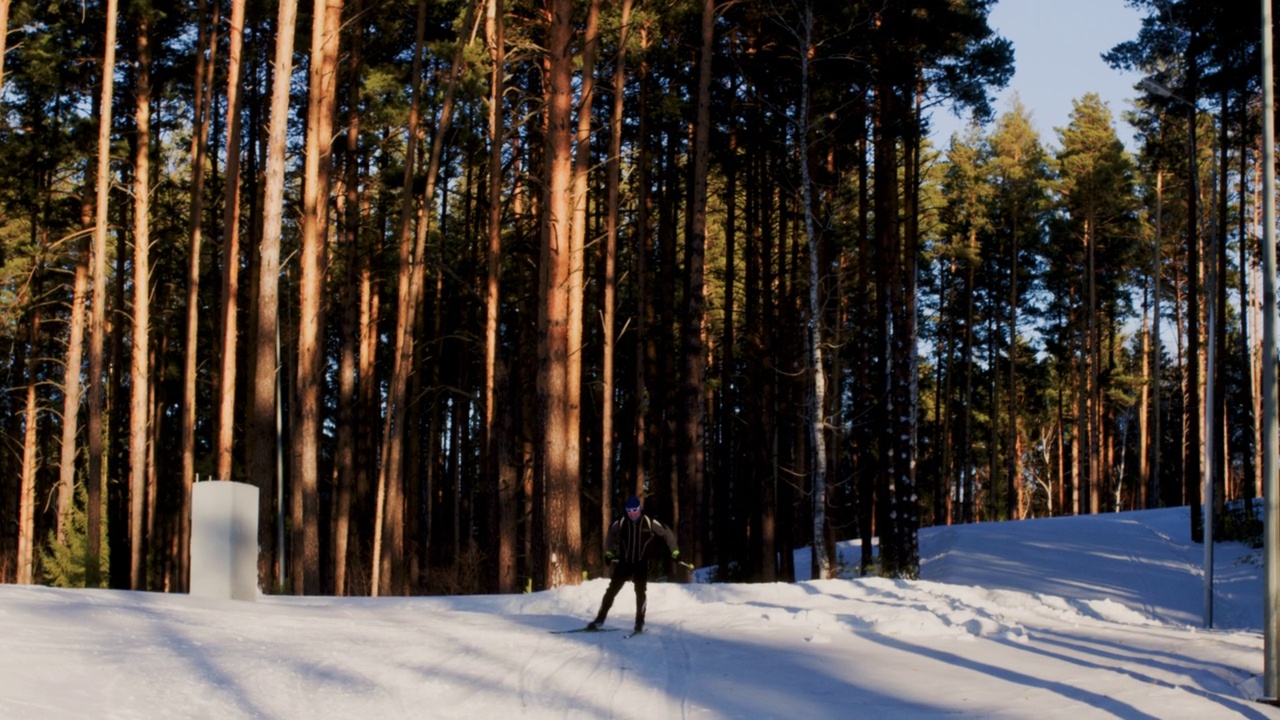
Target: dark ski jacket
630, 539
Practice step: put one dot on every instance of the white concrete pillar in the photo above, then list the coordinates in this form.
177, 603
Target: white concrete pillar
224, 540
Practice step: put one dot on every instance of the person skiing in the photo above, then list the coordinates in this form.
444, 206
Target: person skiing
626, 546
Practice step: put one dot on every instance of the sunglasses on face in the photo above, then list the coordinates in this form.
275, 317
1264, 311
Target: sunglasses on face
633, 511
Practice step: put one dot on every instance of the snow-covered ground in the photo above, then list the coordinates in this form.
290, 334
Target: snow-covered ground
1066, 618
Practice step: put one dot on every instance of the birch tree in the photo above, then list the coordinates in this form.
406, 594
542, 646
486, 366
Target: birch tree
822, 566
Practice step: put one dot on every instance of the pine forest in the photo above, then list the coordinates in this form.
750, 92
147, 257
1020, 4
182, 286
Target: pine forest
447, 280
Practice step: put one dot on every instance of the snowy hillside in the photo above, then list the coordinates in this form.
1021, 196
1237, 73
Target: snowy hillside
1063, 618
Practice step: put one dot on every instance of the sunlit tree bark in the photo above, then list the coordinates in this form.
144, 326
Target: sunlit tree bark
322, 100
562, 559
30, 458
202, 104
226, 396
577, 242
71, 381
98, 310
140, 369
4, 36
262, 461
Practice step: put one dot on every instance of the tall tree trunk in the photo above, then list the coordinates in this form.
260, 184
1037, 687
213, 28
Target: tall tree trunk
350, 212
888, 283
116, 434
822, 568
1156, 349
865, 244
225, 425
71, 381
1094, 360
1218, 311
693, 451
1144, 407
577, 243
388, 494
1081, 438
995, 468
966, 403
613, 182
1191, 471
410, 294
263, 460
435, 168
1180, 358
369, 407
905, 363
1246, 351
140, 370
728, 532
1060, 446
643, 246
1014, 488
943, 509
497, 471
202, 106
98, 310
322, 101
30, 453
1157, 353
560, 480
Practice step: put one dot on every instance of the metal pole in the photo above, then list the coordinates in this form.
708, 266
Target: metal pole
1271, 484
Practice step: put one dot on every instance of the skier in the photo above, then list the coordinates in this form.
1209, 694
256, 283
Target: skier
625, 547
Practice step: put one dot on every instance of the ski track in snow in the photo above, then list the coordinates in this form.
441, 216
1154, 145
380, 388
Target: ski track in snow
1024, 632
679, 667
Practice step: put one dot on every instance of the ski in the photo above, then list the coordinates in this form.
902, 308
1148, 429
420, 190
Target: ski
632, 634
582, 630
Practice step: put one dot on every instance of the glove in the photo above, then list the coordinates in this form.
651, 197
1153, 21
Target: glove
609, 557
675, 554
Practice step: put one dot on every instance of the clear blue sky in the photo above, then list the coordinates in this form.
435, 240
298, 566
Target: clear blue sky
1057, 46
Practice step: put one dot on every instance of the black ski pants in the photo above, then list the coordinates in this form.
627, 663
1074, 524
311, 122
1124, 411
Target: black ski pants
638, 574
